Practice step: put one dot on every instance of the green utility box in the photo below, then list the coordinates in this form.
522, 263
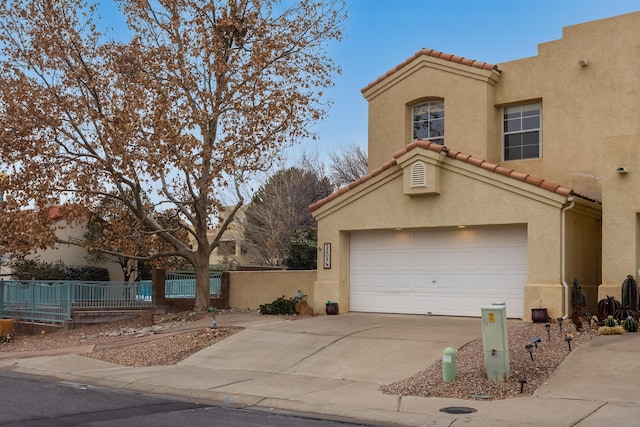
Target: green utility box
495, 341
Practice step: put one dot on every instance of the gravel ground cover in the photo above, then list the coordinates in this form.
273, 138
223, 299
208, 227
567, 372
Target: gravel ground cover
471, 379
125, 343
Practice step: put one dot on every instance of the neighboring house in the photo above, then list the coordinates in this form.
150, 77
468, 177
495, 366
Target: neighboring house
231, 250
493, 182
71, 254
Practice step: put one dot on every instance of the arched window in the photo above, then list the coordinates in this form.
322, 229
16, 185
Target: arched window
428, 121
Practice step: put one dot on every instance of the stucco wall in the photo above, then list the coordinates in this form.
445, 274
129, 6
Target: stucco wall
468, 197
249, 289
75, 255
575, 121
620, 223
581, 105
584, 253
588, 86
469, 112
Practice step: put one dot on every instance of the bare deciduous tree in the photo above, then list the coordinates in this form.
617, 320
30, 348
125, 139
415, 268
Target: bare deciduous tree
347, 165
279, 209
203, 94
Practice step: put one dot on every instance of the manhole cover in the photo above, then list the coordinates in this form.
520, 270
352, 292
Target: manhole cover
458, 410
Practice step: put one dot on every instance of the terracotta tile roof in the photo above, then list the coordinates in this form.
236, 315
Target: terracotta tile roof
53, 213
456, 155
435, 54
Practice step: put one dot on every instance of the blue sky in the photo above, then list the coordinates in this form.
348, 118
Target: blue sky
379, 34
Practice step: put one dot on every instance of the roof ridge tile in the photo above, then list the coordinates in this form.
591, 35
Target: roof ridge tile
459, 156
435, 54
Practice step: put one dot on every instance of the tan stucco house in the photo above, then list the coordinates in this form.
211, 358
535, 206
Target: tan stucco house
72, 255
493, 182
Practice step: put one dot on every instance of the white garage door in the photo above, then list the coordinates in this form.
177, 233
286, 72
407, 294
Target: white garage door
442, 272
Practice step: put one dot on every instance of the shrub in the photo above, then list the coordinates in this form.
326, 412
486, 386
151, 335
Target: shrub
27, 269
279, 306
302, 251
42, 270
86, 272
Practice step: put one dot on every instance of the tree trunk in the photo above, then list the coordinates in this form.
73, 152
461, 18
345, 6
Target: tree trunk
202, 300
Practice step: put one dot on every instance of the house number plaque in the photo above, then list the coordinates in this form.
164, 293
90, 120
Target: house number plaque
327, 255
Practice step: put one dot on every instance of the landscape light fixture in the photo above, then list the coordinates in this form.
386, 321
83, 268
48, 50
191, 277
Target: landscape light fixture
522, 382
568, 339
535, 341
529, 348
548, 328
560, 320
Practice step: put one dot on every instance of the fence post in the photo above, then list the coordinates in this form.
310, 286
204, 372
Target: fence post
224, 288
33, 300
158, 276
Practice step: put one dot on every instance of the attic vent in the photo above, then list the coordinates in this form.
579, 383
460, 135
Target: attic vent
418, 175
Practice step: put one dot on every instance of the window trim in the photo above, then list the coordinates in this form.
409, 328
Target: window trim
521, 131
436, 140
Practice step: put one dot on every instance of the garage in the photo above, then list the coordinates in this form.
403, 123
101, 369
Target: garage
451, 272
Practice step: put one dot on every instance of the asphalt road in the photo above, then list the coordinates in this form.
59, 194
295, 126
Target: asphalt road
43, 402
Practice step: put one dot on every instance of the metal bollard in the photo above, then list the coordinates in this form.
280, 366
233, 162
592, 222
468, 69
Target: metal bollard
448, 364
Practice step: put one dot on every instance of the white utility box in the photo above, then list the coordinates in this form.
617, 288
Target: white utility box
495, 341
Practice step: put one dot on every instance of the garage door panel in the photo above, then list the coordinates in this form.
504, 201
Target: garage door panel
447, 272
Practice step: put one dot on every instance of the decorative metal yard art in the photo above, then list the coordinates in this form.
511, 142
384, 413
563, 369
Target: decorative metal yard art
630, 293
577, 296
588, 317
607, 307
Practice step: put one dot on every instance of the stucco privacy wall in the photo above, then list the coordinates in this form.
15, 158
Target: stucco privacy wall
620, 216
468, 196
249, 289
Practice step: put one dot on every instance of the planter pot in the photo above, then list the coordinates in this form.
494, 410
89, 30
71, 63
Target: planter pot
539, 315
332, 308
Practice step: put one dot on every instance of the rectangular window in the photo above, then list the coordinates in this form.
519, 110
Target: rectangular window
428, 121
227, 247
521, 132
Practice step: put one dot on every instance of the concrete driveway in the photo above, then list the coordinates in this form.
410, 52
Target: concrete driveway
374, 348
